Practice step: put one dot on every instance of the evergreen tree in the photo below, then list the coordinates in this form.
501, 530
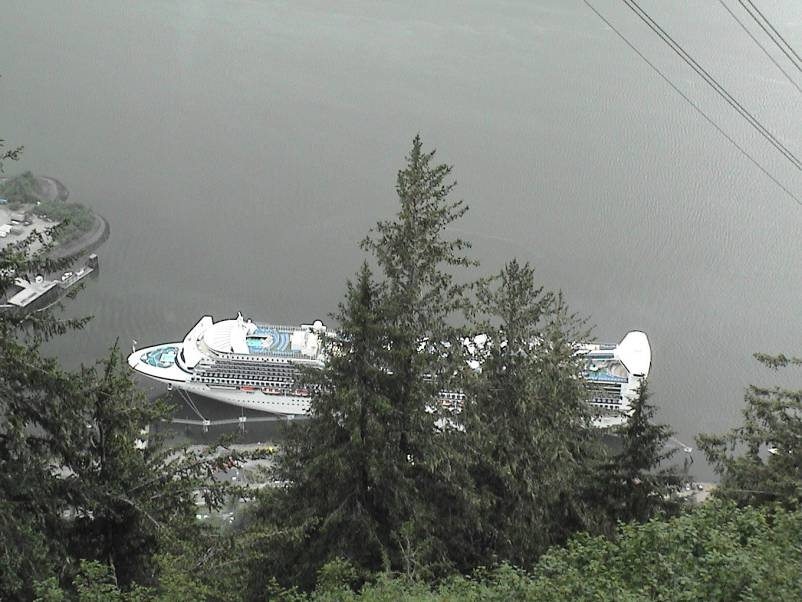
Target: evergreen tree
129, 495
39, 422
72, 482
423, 273
77, 481
526, 419
760, 461
422, 294
345, 491
639, 482
371, 476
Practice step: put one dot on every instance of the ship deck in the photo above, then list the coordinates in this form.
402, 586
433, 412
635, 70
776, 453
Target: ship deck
272, 340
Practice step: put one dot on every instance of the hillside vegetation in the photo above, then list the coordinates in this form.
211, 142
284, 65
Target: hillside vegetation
23, 193
21, 190
384, 493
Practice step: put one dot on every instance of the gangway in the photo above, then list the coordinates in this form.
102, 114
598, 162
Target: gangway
202, 421
227, 421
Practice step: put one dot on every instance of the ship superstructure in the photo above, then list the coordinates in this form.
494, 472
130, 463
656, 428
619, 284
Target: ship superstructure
613, 374
256, 366
238, 362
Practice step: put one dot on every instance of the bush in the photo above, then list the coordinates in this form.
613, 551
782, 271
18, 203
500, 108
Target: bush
715, 552
20, 190
74, 219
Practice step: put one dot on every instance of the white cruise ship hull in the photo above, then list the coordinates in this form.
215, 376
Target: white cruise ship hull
251, 400
255, 367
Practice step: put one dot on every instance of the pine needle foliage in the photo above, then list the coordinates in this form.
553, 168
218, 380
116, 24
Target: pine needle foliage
41, 424
345, 488
129, 496
526, 421
760, 461
641, 481
74, 484
369, 476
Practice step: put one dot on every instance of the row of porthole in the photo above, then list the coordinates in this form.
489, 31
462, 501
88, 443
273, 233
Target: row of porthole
228, 370
273, 369
283, 403
249, 358
238, 381
244, 374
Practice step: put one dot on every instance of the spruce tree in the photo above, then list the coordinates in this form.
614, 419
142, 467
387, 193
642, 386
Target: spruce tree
130, 496
345, 494
639, 482
526, 420
372, 475
426, 281
73, 484
419, 264
39, 422
760, 461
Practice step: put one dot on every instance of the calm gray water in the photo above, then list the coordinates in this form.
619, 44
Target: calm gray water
240, 149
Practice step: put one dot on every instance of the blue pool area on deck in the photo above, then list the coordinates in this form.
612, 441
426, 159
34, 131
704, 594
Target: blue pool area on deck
163, 357
603, 377
270, 340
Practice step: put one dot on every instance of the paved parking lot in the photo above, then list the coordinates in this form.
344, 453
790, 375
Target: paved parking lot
37, 223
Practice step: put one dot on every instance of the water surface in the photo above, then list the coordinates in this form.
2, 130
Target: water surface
240, 149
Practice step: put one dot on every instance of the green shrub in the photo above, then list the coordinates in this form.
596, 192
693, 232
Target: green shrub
74, 219
20, 190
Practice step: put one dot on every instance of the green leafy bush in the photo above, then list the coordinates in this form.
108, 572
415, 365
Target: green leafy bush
20, 190
75, 219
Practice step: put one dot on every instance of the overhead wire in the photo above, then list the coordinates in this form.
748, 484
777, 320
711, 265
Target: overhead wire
712, 82
798, 62
695, 106
761, 46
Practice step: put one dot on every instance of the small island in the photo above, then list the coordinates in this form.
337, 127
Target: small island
29, 202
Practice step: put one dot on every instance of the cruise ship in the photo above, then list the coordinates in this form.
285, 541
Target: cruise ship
255, 366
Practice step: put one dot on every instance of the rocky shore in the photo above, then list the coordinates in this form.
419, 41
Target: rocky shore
52, 189
86, 243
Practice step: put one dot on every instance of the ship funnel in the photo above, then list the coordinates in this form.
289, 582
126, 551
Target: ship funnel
635, 353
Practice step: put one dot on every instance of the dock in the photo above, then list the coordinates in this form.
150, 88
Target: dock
32, 292
240, 421
40, 292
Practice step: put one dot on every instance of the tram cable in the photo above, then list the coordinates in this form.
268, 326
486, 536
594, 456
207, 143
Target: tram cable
712, 82
695, 106
761, 46
785, 47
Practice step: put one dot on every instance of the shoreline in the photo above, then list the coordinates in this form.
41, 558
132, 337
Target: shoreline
86, 243
53, 189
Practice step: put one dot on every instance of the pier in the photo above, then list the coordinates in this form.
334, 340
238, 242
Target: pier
40, 292
205, 423
241, 421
